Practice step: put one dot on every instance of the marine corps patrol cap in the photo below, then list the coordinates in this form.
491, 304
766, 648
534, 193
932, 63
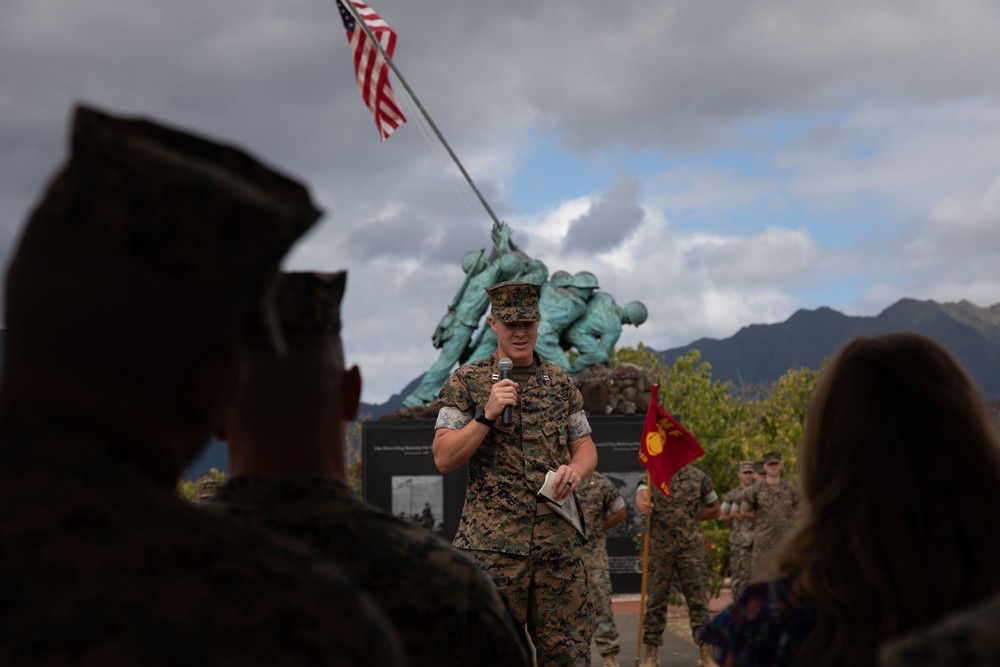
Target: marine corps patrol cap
746, 466
311, 301
515, 301
138, 196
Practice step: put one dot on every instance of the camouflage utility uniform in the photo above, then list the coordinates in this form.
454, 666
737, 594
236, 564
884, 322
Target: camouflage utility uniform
598, 498
774, 506
534, 558
677, 546
740, 543
153, 230
446, 610
103, 566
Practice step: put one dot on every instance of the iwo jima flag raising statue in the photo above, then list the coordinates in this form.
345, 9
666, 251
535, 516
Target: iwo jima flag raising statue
520, 521
574, 315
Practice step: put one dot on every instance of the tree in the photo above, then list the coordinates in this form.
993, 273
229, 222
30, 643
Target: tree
731, 424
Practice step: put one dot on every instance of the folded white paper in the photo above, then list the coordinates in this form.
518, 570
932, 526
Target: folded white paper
548, 491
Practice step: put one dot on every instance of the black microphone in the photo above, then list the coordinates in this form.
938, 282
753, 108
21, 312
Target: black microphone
506, 366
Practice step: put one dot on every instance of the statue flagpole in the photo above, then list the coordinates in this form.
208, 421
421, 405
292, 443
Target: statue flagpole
350, 6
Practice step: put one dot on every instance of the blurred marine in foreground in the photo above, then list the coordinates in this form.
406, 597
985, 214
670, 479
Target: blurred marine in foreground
141, 278
286, 453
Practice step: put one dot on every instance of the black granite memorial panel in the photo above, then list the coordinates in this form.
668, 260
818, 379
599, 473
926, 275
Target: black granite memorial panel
399, 475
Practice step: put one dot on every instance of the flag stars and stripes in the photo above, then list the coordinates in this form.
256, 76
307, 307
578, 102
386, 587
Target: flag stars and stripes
370, 69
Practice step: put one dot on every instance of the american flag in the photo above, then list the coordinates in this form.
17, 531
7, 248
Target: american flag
370, 67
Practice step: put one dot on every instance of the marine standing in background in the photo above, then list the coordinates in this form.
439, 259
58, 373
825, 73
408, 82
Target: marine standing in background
677, 546
533, 554
285, 437
603, 508
740, 533
772, 505
143, 275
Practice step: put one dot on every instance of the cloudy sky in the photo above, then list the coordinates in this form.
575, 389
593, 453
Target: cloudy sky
725, 162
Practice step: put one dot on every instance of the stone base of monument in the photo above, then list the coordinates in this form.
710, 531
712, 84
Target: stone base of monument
622, 389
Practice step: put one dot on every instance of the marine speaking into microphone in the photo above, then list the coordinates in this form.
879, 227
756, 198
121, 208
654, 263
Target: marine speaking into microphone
506, 366
514, 534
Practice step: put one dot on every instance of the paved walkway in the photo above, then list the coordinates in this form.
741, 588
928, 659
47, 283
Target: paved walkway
675, 652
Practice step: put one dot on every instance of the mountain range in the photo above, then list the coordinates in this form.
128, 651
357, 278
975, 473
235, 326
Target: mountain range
762, 353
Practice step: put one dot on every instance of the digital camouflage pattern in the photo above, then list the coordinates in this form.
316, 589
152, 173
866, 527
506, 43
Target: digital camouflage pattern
677, 547
969, 638
774, 506
499, 524
104, 566
514, 301
509, 467
445, 609
201, 213
741, 533
147, 227
598, 497
311, 301
559, 615
740, 542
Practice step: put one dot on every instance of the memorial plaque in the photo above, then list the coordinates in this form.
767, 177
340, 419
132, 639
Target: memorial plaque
399, 476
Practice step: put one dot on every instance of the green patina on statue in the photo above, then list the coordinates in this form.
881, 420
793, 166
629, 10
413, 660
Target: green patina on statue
574, 315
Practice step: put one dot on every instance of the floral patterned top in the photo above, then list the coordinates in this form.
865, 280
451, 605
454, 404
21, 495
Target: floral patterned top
764, 627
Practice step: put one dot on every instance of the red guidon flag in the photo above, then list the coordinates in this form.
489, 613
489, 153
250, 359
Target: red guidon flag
370, 68
666, 446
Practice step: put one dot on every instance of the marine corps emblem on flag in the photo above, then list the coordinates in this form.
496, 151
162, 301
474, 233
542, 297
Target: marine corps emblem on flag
666, 446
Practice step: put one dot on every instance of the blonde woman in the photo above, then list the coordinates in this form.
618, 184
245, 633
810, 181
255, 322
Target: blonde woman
898, 464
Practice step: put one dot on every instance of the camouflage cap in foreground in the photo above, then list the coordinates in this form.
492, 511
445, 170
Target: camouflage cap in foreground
772, 456
311, 301
746, 466
205, 215
515, 301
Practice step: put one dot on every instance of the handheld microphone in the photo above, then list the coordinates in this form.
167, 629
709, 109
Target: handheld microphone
506, 366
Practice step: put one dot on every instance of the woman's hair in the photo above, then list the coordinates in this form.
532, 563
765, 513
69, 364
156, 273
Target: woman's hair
900, 467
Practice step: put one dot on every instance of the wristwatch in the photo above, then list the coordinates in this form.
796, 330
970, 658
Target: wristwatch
480, 417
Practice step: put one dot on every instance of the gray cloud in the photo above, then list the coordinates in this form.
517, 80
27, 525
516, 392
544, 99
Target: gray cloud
770, 257
889, 92
609, 221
